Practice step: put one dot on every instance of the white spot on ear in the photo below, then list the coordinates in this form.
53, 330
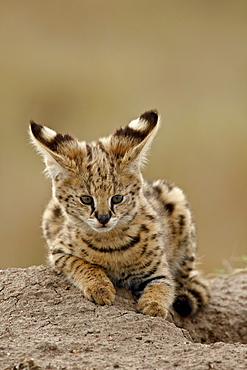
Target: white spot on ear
138, 124
48, 134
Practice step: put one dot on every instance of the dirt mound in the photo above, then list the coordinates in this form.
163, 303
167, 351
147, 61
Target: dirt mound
45, 323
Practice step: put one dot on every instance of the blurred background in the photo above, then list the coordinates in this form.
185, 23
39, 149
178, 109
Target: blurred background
89, 67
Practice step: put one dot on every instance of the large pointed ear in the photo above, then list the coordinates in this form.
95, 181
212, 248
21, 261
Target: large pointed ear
57, 150
132, 142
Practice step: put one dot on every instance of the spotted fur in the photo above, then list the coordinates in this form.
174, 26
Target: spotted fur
106, 226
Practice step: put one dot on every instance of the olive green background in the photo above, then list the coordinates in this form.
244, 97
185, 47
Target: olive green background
88, 67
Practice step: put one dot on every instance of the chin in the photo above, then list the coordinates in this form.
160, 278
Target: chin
103, 229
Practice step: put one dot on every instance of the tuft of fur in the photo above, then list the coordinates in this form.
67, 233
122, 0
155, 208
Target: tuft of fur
106, 226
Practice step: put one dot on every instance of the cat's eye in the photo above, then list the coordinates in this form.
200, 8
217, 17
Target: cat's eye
86, 199
117, 199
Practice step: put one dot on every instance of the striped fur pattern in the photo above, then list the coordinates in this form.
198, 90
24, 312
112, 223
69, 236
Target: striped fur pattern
106, 226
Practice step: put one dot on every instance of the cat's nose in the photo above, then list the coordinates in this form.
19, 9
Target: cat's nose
103, 219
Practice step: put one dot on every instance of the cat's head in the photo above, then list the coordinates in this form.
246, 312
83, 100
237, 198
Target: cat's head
98, 183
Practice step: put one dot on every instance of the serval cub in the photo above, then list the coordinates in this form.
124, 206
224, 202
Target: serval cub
106, 226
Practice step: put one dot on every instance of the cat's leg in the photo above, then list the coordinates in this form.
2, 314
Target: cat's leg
90, 278
156, 300
157, 293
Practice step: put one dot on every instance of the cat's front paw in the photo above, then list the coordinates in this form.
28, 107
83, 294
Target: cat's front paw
100, 292
151, 307
155, 300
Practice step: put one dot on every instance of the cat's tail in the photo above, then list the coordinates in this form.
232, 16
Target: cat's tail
192, 296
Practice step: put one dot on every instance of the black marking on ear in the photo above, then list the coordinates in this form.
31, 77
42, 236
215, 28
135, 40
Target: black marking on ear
150, 116
59, 139
54, 142
131, 133
36, 129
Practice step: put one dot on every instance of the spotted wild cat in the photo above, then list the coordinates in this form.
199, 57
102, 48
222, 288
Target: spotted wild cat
106, 226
